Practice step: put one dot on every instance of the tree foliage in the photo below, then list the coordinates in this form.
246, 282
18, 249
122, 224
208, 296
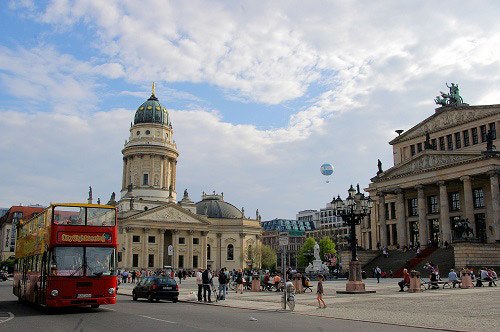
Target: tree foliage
326, 247
306, 253
268, 257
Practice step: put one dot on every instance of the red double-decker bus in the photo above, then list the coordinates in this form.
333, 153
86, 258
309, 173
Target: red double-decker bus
66, 256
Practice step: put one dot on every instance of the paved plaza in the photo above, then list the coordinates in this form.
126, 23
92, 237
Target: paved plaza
475, 309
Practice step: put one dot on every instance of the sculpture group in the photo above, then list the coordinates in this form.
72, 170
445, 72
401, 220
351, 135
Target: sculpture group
452, 98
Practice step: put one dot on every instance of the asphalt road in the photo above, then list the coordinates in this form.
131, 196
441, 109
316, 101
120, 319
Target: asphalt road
127, 315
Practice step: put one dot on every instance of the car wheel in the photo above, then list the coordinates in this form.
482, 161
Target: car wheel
175, 299
95, 306
134, 296
150, 297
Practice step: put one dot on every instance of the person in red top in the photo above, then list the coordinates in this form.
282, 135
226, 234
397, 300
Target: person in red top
405, 281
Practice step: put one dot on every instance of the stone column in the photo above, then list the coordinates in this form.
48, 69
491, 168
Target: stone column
468, 202
444, 213
243, 251
124, 175
218, 259
203, 262
174, 174
401, 217
128, 247
495, 202
381, 219
175, 243
189, 258
423, 227
161, 247
145, 253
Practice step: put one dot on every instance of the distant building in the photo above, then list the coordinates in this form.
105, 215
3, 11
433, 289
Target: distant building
294, 230
8, 223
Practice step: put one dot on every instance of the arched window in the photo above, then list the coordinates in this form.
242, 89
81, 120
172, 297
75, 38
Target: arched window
230, 252
208, 252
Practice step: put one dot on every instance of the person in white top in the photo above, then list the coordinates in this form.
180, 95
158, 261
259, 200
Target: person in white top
199, 282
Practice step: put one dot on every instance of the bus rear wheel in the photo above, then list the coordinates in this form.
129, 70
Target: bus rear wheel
94, 306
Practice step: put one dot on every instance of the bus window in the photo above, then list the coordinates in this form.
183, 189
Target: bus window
100, 261
67, 215
100, 217
67, 261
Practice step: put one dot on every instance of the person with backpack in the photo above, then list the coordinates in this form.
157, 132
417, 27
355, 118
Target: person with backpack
206, 277
222, 284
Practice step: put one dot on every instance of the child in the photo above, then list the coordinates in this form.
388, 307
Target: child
320, 292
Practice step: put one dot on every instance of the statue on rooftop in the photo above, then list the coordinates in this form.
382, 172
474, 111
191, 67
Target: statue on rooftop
452, 98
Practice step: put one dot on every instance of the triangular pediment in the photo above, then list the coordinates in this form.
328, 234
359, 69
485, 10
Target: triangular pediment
170, 213
447, 117
428, 160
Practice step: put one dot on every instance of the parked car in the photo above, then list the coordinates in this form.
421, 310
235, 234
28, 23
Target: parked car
156, 288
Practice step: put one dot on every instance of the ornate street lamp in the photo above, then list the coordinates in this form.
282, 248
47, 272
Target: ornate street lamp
352, 210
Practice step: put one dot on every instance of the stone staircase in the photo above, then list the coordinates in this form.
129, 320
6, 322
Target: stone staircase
443, 258
396, 260
421, 259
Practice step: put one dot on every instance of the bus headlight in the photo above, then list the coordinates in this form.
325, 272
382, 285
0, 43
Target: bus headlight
54, 293
111, 291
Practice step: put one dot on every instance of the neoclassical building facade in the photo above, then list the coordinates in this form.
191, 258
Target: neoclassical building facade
446, 170
154, 229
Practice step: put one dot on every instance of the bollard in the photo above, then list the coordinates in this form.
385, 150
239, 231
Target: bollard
255, 283
414, 282
297, 283
466, 279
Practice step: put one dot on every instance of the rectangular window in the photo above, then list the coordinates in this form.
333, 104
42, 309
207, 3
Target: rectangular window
474, 136
441, 143
483, 133
151, 239
181, 261
120, 256
412, 149
386, 211
478, 195
493, 130
412, 207
135, 260
419, 147
145, 179
195, 261
182, 240
449, 142
433, 143
455, 201
433, 204
393, 210
151, 260
196, 240
136, 238
466, 138
458, 141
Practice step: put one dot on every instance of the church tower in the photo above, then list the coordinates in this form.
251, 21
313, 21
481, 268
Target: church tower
149, 157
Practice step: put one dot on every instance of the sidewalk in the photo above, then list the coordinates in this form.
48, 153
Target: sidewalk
457, 309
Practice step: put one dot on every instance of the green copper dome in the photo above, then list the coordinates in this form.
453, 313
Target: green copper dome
151, 111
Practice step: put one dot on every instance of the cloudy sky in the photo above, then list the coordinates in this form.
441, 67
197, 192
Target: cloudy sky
260, 93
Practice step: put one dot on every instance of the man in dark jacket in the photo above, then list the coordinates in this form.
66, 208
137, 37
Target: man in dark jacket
206, 277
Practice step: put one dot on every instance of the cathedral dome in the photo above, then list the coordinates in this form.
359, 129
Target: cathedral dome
214, 207
152, 111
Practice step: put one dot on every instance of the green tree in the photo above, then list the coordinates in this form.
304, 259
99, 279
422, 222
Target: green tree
268, 257
306, 253
326, 246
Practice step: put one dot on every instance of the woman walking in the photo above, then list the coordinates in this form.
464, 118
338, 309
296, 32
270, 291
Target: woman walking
239, 281
319, 293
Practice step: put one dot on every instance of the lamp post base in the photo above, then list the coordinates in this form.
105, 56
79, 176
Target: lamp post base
355, 284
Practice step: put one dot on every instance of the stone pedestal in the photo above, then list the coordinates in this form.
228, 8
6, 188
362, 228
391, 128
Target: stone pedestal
466, 280
255, 284
355, 284
414, 282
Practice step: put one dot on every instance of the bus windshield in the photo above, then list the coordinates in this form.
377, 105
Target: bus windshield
79, 261
90, 216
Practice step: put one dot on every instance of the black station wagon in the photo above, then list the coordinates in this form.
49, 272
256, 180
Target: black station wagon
156, 288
